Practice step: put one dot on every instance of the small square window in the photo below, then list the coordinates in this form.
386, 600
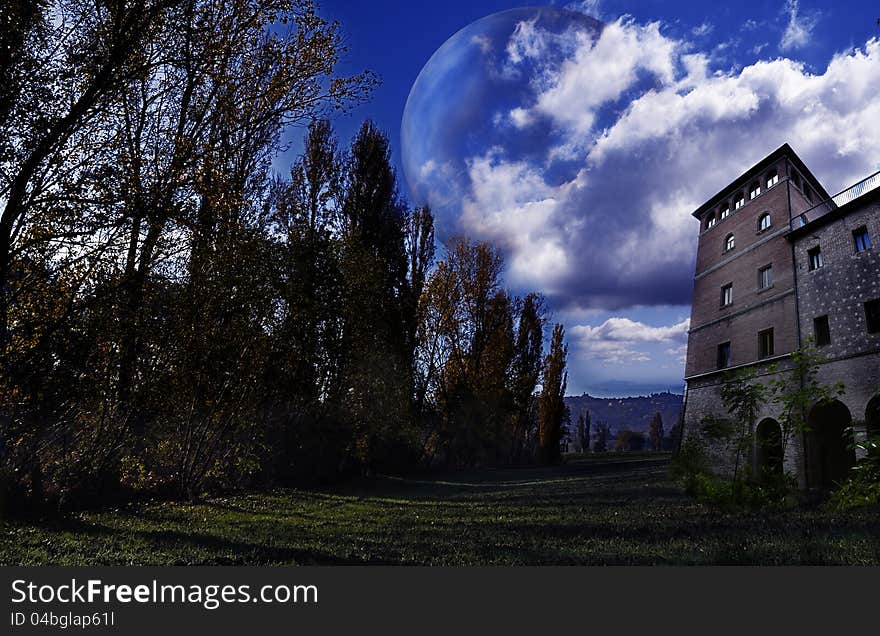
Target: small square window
872, 315
862, 239
724, 355
765, 277
727, 295
710, 223
815, 258
772, 180
754, 191
725, 212
822, 331
740, 201
765, 343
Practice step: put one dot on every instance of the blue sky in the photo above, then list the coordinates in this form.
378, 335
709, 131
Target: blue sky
714, 89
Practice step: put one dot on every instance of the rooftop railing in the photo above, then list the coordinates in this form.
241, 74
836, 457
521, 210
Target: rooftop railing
842, 198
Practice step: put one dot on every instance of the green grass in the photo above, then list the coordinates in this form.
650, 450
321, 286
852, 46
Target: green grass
607, 510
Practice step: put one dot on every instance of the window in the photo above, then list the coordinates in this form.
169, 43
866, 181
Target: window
765, 277
808, 193
822, 331
729, 243
772, 179
710, 222
815, 257
725, 211
862, 239
796, 179
739, 201
754, 190
727, 295
764, 222
724, 355
872, 315
765, 343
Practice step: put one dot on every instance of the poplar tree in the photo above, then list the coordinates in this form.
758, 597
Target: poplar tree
553, 408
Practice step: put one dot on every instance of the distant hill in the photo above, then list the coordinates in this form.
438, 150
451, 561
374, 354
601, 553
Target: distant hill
634, 413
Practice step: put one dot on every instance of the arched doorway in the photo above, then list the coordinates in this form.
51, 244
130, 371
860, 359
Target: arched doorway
830, 447
768, 449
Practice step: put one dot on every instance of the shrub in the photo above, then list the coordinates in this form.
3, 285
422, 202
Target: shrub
862, 488
691, 468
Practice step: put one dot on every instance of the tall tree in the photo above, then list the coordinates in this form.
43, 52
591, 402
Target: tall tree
603, 432
136, 259
655, 432
584, 425
527, 364
375, 270
553, 408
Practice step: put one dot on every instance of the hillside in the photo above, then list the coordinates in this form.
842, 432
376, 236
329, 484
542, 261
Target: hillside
632, 413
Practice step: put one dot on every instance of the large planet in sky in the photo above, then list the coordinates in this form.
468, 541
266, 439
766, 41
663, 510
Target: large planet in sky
461, 103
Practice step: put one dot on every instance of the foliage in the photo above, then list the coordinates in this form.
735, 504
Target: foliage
175, 319
692, 468
743, 395
655, 432
602, 434
862, 488
584, 425
798, 392
628, 440
553, 409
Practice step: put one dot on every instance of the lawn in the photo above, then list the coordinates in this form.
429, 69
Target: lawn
606, 510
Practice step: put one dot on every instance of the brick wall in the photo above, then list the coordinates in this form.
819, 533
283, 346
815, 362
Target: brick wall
838, 290
753, 309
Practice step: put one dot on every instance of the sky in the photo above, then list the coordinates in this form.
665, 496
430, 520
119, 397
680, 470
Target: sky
586, 154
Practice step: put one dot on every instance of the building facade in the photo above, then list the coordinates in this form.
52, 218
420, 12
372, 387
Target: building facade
781, 262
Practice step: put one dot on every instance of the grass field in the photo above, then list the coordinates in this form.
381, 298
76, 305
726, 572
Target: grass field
608, 510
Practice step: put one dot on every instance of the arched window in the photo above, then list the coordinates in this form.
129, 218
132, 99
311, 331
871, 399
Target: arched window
729, 243
710, 221
739, 200
725, 211
764, 222
772, 178
754, 190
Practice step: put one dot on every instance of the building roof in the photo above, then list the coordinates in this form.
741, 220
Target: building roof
740, 182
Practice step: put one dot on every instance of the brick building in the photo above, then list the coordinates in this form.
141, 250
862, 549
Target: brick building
780, 261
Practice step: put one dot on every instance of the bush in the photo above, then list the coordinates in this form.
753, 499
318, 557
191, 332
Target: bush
691, 468
862, 489
859, 491
690, 464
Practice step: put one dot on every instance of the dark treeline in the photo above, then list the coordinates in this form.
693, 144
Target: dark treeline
176, 320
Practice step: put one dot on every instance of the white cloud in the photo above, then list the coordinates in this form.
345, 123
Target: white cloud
483, 42
617, 231
508, 195
571, 95
590, 7
618, 339
799, 29
703, 30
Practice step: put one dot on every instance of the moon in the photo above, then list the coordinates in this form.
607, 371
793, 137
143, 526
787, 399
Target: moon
459, 106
